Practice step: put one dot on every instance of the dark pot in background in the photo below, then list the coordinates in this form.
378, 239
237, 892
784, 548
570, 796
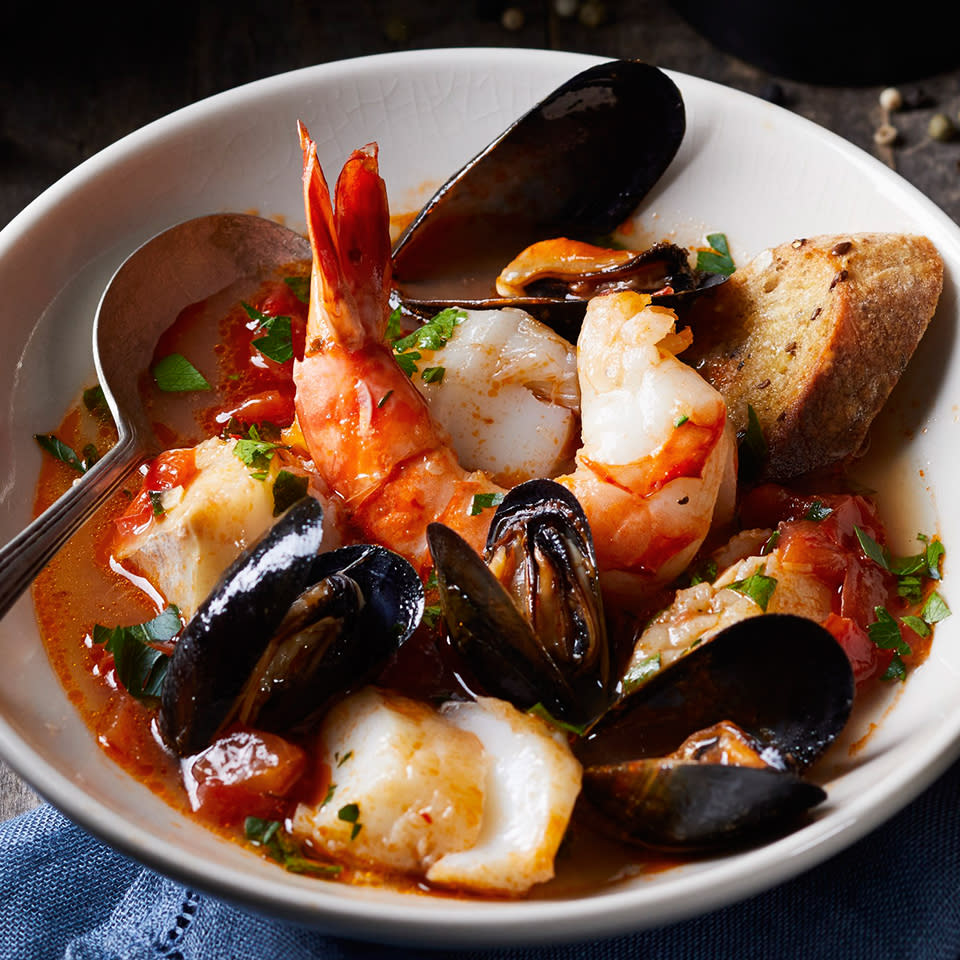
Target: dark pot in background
832, 43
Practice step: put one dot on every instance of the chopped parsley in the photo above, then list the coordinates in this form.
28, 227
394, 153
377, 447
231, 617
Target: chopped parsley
817, 511
539, 710
770, 544
431, 614
384, 398
394, 325
705, 572
140, 666
279, 846
95, 401
156, 502
299, 287
350, 813
639, 673
256, 453
57, 448
751, 447
288, 488
482, 501
277, 345
758, 587
935, 609
680, 421
717, 259
910, 570
432, 335
340, 761
176, 374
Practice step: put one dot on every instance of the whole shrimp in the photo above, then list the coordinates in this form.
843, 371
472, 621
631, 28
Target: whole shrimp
656, 447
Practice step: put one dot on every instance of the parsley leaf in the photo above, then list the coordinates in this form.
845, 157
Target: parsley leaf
717, 259
705, 572
758, 587
176, 374
433, 334
394, 325
299, 287
257, 454
350, 813
539, 710
288, 488
140, 666
277, 345
270, 835
872, 549
433, 374
751, 447
481, 501
95, 401
885, 632
60, 450
408, 362
935, 609
817, 511
639, 673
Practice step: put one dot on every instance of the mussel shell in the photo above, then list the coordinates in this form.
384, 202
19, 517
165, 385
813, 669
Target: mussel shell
575, 165
783, 679
690, 806
524, 645
223, 642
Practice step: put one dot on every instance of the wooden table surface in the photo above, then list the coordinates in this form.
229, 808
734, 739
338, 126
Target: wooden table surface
75, 83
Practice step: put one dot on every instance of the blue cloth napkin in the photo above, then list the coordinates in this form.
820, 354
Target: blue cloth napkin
894, 894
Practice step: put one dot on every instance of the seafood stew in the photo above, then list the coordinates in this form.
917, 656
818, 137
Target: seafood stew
693, 447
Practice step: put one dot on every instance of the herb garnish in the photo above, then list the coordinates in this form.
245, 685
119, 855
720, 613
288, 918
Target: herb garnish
350, 813
639, 673
680, 421
270, 835
717, 259
299, 287
705, 572
95, 401
176, 374
140, 666
481, 501
288, 488
57, 448
431, 614
758, 587
751, 447
277, 345
539, 710
817, 511
432, 335
256, 453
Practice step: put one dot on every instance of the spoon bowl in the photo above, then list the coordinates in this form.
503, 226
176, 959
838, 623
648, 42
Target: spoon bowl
180, 266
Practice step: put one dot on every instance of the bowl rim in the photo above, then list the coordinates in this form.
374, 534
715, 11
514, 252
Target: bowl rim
415, 920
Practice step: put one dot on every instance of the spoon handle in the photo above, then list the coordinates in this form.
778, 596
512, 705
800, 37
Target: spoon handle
33, 548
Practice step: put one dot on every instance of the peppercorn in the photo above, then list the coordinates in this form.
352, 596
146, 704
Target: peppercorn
512, 18
891, 99
592, 13
885, 135
941, 127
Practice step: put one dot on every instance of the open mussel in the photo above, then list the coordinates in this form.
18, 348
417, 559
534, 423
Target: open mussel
284, 631
528, 616
710, 751
576, 165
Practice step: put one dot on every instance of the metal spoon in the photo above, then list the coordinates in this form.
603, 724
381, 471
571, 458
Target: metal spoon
180, 266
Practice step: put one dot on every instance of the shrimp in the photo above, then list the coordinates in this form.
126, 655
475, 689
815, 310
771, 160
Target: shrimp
656, 446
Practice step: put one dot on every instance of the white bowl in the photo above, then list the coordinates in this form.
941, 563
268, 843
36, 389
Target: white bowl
752, 170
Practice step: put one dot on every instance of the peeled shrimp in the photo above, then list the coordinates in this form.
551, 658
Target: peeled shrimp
656, 447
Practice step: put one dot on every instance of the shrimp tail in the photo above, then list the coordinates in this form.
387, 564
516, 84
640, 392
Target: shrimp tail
350, 282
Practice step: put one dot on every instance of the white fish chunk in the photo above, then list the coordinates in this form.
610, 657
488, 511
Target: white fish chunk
206, 524
531, 787
408, 786
509, 395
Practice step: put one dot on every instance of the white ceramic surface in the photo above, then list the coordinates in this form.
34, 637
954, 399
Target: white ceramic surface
757, 172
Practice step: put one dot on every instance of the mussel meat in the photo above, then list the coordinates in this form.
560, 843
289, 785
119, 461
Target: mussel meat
285, 630
528, 617
576, 165
783, 686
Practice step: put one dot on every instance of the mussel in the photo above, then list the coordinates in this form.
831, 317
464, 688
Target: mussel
778, 687
285, 630
576, 165
528, 616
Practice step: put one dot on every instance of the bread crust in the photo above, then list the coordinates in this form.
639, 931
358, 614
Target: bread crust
814, 334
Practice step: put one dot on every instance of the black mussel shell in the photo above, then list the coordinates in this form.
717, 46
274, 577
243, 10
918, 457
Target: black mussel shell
533, 631
689, 806
781, 678
371, 602
575, 165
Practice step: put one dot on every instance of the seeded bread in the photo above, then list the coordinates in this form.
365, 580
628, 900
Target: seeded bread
814, 334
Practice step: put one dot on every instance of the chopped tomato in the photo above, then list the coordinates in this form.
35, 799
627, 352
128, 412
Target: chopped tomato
246, 773
830, 549
173, 468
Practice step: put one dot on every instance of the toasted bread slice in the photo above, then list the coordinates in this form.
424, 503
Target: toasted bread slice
814, 334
